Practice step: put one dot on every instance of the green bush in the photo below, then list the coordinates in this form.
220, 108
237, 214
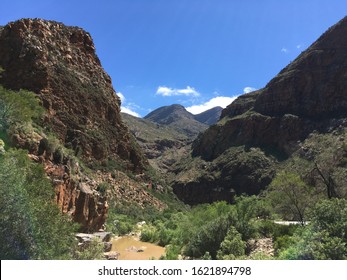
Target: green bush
119, 224
92, 251
32, 226
232, 246
171, 252
291, 197
325, 237
18, 107
149, 233
208, 238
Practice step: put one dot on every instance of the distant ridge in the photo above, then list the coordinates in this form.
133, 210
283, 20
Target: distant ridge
210, 116
178, 118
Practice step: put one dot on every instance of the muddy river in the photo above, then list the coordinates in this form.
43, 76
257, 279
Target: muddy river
131, 248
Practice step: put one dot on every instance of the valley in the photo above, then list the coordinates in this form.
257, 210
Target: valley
206, 186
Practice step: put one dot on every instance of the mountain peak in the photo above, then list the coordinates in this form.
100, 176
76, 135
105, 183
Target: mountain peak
313, 85
178, 118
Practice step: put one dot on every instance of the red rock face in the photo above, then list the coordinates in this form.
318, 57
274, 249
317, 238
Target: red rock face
76, 196
60, 65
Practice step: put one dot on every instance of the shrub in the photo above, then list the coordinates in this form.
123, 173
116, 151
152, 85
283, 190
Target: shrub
18, 107
149, 234
91, 251
119, 224
232, 246
32, 226
325, 237
208, 238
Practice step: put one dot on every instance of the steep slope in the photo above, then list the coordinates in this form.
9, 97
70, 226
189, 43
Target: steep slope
160, 143
178, 118
268, 126
210, 116
60, 65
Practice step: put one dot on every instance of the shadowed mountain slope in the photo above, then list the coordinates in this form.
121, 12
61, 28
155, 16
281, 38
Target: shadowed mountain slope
240, 153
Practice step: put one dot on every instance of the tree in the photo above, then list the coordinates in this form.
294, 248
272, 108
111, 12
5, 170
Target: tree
325, 237
291, 196
208, 239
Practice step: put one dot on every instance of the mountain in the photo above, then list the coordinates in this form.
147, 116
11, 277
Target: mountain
59, 64
266, 129
210, 116
178, 118
82, 111
166, 133
160, 143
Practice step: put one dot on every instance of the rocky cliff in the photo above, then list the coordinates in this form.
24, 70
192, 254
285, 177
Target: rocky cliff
309, 95
60, 65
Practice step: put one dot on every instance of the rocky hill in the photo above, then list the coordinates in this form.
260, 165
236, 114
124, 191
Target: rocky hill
82, 111
160, 143
262, 130
177, 117
59, 63
166, 133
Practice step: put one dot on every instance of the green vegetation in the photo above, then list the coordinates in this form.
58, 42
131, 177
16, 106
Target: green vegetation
90, 251
32, 226
224, 231
325, 236
18, 107
291, 196
204, 231
311, 189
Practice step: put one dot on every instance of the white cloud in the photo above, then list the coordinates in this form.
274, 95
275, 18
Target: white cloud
129, 111
298, 46
121, 96
248, 89
221, 101
127, 107
166, 91
284, 50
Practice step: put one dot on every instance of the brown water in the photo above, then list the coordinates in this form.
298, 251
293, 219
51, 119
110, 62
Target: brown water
128, 247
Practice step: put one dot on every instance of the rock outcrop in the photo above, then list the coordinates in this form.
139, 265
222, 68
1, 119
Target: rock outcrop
60, 65
308, 95
314, 85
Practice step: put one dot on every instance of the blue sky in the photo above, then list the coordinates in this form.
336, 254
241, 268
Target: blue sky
199, 53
